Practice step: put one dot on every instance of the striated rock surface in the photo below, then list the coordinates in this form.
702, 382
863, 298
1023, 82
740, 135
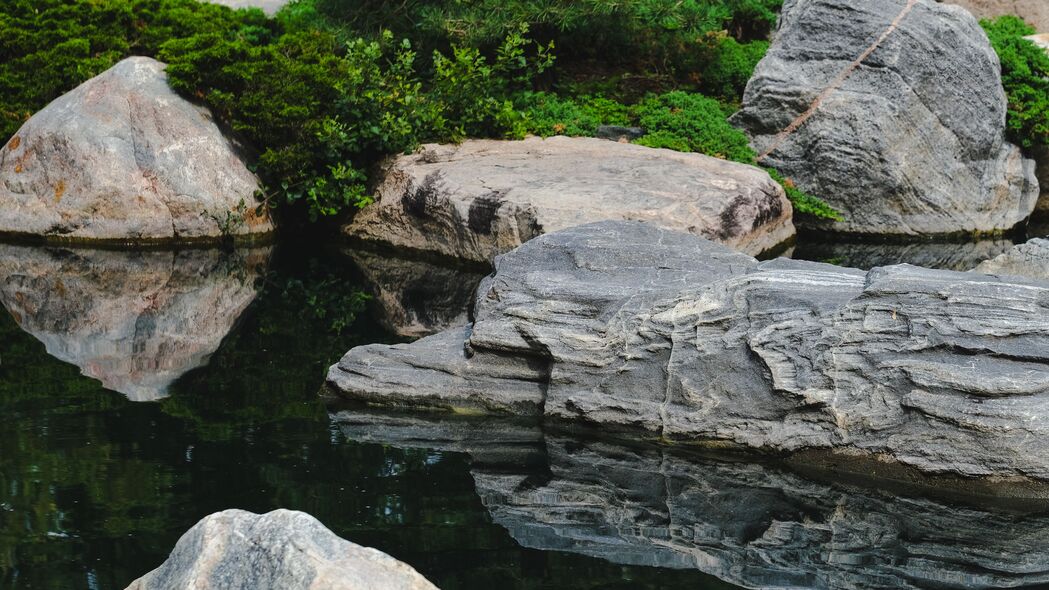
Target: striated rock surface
123, 158
136, 321
893, 112
479, 199
1026, 260
238, 550
1035, 12
753, 525
624, 325
417, 297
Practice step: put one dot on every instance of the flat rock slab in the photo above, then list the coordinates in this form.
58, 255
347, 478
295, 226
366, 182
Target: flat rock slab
623, 325
908, 141
122, 158
479, 199
238, 550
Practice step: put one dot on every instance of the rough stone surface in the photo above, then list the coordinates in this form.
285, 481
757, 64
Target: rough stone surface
753, 525
912, 141
270, 7
417, 297
238, 550
124, 158
1035, 12
1026, 260
668, 333
479, 199
136, 321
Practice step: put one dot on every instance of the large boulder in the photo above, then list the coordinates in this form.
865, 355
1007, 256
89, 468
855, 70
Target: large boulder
238, 550
893, 112
123, 158
623, 325
135, 321
1026, 260
1035, 12
479, 199
755, 525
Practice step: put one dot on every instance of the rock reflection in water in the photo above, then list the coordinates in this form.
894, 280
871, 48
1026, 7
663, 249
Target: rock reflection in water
417, 297
749, 524
136, 321
867, 255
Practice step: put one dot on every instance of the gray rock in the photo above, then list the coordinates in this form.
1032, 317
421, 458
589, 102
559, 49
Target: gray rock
944, 255
1029, 260
417, 297
123, 158
270, 7
669, 334
912, 141
1035, 12
136, 321
284, 549
750, 524
479, 199
619, 133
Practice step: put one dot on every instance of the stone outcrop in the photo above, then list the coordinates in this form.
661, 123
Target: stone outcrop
122, 158
479, 199
1035, 12
893, 112
417, 297
624, 325
238, 550
136, 321
750, 524
1029, 260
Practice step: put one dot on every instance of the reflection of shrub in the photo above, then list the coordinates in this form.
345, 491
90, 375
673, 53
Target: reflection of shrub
1025, 76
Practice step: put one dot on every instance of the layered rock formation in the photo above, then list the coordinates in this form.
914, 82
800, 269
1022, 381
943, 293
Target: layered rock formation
1029, 260
624, 325
123, 158
893, 112
136, 321
238, 550
479, 199
753, 525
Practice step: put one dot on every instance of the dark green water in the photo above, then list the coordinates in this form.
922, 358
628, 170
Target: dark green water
227, 352
96, 489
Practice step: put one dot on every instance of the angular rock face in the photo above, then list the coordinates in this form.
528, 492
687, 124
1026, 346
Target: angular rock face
482, 198
136, 321
753, 525
893, 112
123, 158
1035, 12
622, 325
238, 550
1029, 260
417, 297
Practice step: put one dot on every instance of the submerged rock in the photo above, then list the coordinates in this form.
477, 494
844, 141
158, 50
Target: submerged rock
750, 524
479, 199
136, 321
624, 325
1029, 260
123, 158
238, 550
910, 140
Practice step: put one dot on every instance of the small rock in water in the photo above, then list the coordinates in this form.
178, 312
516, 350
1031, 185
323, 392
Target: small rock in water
1029, 260
281, 550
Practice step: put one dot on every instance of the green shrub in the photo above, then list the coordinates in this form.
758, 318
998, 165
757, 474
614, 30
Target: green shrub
691, 122
1025, 76
547, 114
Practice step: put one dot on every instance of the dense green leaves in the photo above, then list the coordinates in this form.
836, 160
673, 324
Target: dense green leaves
1025, 75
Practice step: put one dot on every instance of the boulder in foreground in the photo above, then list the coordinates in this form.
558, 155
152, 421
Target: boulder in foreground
284, 549
909, 141
623, 325
122, 158
479, 199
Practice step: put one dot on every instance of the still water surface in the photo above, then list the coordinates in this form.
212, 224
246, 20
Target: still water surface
140, 392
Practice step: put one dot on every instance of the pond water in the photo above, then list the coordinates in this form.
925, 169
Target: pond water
140, 392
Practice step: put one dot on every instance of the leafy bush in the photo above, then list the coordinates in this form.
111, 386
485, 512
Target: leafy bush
48, 47
1025, 76
691, 122
547, 114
